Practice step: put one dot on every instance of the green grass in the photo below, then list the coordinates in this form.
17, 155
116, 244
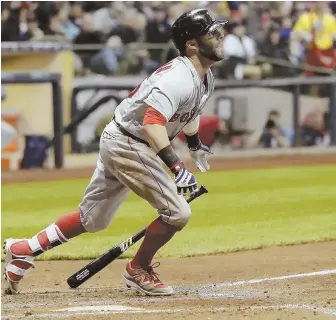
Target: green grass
244, 209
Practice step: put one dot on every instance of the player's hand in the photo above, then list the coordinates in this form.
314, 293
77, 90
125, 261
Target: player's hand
198, 157
185, 182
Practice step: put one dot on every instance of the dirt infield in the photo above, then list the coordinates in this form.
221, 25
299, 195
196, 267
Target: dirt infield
296, 282
216, 164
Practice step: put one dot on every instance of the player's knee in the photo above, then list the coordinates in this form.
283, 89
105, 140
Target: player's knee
183, 217
177, 217
92, 225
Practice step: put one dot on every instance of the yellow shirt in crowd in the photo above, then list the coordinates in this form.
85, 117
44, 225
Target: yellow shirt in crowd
324, 35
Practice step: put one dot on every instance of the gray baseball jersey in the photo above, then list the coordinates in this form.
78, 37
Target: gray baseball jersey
125, 164
175, 90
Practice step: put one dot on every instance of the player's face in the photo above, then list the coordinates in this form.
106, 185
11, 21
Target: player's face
211, 45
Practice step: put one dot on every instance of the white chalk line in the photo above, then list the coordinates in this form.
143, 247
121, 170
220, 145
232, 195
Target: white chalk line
327, 311
291, 276
113, 308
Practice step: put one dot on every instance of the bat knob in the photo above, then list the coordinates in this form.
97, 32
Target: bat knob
203, 189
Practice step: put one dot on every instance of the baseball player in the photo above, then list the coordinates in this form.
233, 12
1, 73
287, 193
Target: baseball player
132, 148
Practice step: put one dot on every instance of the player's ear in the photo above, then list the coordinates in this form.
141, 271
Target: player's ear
192, 45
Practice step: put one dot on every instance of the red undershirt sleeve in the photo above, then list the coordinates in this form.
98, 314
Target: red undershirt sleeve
152, 116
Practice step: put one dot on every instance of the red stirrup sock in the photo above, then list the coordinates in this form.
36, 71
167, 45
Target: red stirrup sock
157, 235
65, 228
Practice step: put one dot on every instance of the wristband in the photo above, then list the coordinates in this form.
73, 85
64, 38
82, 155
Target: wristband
170, 158
193, 141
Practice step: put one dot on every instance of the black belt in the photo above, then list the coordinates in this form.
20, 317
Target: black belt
128, 134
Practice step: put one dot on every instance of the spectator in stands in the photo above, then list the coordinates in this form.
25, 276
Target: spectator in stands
272, 133
275, 13
285, 30
87, 33
316, 30
43, 12
273, 48
31, 7
174, 11
221, 9
264, 24
107, 60
139, 21
76, 13
33, 31
5, 13
130, 26
240, 52
243, 12
128, 31
61, 24
108, 18
88, 36
313, 128
21, 22
10, 21
157, 31
93, 6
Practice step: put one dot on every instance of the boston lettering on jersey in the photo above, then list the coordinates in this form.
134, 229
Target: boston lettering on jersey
184, 117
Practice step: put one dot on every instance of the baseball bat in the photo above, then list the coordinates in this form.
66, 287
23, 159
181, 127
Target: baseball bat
109, 256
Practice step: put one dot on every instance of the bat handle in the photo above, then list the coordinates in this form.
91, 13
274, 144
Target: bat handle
197, 193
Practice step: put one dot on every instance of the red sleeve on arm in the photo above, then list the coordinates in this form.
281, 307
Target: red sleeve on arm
153, 116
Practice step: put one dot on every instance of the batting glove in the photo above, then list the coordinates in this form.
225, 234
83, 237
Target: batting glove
198, 156
185, 182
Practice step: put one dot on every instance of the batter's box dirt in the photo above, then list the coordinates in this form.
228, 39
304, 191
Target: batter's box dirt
295, 282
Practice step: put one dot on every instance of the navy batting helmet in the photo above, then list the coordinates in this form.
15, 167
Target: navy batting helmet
193, 24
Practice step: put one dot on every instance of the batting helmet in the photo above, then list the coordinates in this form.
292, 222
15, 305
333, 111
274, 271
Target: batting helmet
193, 24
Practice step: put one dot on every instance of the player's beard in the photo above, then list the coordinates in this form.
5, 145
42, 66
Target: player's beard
209, 52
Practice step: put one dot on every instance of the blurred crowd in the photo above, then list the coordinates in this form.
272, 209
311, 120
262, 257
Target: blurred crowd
290, 32
313, 131
263, 40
